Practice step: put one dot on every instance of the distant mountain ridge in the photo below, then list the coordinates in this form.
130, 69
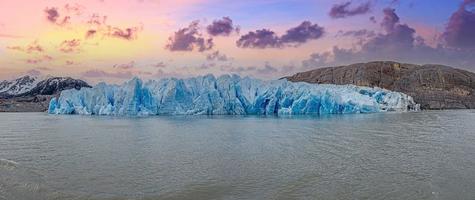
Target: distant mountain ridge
30, 86
17, 86
32, 94
431, 86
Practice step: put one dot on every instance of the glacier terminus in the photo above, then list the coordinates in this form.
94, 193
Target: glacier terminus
226, 95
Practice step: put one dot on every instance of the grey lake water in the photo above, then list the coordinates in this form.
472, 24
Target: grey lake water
422, 155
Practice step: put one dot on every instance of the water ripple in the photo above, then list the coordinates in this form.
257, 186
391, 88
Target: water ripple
425, 155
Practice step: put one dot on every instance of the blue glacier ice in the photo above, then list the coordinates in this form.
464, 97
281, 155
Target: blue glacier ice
226, 94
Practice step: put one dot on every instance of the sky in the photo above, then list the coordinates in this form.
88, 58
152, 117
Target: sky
115, 40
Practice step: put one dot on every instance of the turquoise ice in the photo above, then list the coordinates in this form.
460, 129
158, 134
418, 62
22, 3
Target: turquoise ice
226, 95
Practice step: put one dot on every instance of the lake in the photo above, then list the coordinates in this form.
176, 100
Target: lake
422, 155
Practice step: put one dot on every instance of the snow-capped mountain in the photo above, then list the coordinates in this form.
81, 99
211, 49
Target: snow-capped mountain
31, 86
18, 86
226, 95
54, 85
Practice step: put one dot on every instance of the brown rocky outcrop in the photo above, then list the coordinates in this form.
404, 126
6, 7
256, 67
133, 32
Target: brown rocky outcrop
431, 86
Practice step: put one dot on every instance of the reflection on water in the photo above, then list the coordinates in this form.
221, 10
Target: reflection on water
426, 155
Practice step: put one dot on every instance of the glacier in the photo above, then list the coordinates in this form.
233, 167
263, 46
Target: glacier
226, 95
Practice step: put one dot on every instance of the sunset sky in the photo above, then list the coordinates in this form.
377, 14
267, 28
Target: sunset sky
115, 40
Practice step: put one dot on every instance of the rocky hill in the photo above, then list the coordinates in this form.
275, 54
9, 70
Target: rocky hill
31, 94
432, 86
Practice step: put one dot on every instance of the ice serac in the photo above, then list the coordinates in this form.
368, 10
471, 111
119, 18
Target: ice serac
226, 95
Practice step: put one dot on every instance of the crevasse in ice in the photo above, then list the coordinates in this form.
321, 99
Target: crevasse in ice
227, 94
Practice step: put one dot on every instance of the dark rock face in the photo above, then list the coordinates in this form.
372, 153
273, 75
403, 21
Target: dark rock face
26, 95
432, 86
55, 85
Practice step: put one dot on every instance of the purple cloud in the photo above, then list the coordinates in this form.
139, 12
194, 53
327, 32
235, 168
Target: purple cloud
217, 56
260, 39
357, 33
265, 38
460, 31
343, 10
302, 33
129, 65
188, 39
398, 37
52, 14
222, 27
390, 19
398, 42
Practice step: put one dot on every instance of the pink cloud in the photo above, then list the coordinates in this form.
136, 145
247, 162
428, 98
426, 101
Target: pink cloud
33, 47
126, 33
38, 60
70, 46
129, 65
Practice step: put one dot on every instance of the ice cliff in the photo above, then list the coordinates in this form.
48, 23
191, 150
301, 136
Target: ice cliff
227, 94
